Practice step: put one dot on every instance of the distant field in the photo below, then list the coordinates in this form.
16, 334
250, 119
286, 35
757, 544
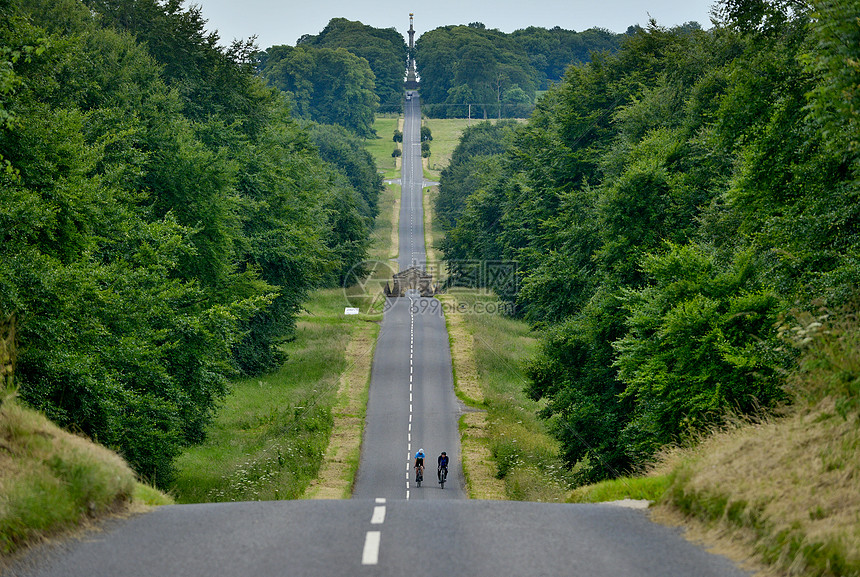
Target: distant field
382, 146
446, 135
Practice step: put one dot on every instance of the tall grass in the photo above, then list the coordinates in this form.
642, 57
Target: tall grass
51, 480
789, 487
268, 440
526, 457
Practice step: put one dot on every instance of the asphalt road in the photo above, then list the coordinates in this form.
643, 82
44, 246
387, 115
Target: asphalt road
411, 404
391, 527
362, 537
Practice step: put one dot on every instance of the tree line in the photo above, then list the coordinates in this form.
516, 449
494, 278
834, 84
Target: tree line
498, 74
669, 208
343, 75
163, 217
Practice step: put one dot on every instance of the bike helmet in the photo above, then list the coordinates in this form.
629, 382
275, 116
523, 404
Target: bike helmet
444, 453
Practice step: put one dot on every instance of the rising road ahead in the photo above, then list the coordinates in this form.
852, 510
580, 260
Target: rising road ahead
390, 527
411, 403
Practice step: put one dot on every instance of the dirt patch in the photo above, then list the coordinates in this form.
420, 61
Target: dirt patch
340, 463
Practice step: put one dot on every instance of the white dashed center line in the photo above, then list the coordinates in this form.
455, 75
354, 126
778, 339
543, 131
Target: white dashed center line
370, 555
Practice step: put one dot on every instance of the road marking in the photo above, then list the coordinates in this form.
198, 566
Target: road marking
370, 556
380, 499
378, 515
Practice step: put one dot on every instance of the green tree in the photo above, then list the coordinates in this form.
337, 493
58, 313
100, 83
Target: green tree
162, 221
329, 86
384, 49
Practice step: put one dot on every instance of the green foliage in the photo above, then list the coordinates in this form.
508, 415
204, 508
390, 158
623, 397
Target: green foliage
458, 178
701, 343
835, 60
326, 85
349, 155
665, 204
162, 221
384, 49
498, 73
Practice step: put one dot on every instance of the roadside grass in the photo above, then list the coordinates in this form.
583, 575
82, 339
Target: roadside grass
432, 237
381, 146
52, 481
787, 487
268, 440
524, 463
649, 488
341, 459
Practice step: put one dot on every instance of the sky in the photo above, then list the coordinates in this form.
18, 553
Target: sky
284, 21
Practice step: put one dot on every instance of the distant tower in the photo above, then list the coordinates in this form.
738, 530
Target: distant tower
411, 78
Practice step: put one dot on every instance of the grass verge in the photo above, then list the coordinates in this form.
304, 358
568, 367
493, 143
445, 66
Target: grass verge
650, 488
507, 450
268, 440
52, 481
783, 493
381, 146
340, 463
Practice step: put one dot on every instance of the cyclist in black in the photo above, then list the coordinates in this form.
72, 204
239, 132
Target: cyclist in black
443, 464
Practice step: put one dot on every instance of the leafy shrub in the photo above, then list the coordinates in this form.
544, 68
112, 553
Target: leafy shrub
701, 342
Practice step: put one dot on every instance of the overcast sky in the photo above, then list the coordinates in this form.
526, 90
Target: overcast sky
284, 21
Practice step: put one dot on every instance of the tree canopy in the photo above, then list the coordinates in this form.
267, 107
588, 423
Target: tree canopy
497, 73
668, 206
384, 49
326, 85
163, 218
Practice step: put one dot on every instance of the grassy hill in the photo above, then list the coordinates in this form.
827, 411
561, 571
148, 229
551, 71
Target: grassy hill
782, 492
52, 481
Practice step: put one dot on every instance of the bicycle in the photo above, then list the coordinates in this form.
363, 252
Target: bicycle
443, 475
419, 475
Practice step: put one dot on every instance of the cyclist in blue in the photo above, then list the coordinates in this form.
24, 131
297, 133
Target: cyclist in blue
419, 462
443, 465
